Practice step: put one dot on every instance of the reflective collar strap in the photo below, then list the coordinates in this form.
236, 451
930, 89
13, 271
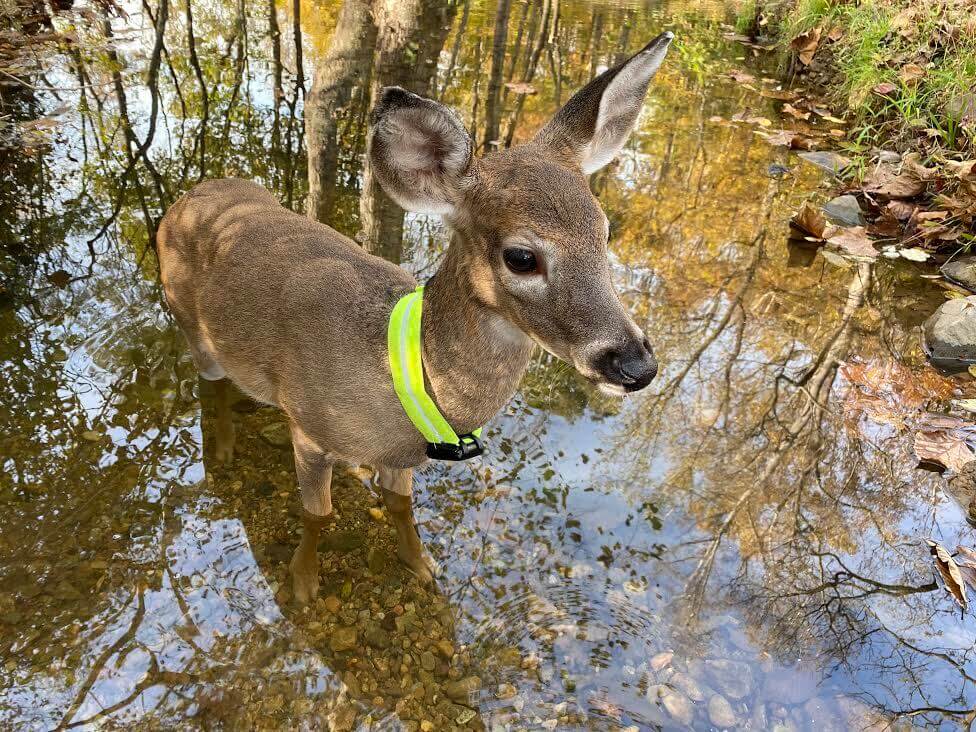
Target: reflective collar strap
407, 368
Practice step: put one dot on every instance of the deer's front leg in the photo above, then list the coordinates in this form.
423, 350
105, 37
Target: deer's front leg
314, 469
398, 497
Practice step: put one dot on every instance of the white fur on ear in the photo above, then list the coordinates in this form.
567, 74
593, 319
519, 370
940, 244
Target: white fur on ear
420, 151
596, 122
621, 103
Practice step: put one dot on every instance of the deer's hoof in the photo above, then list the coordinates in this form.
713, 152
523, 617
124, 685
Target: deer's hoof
420, 565
304, 580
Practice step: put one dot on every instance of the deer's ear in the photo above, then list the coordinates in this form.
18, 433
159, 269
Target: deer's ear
419, 150
597, 120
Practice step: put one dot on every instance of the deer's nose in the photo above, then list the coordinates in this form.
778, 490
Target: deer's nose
632, 366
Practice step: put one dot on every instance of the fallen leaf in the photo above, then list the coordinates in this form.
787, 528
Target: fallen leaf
942, 448
854, 241
914, 254
520, 87
901, 210
884, 88
949, 571
968, 404
741, 76
835, 34
911, 74
811, 220
59, 278
883, 180
912, 164
805, 45
966, 561
889, 392
794, 112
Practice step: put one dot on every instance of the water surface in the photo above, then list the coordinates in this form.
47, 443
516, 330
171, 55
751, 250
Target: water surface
740, 544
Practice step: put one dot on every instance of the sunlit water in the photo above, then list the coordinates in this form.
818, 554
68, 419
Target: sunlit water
737, 545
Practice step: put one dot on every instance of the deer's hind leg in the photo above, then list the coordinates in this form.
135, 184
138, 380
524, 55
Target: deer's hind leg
314, 469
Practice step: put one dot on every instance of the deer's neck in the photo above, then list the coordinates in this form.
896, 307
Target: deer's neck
473, 357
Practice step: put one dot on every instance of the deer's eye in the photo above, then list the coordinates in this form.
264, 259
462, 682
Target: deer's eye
520, 261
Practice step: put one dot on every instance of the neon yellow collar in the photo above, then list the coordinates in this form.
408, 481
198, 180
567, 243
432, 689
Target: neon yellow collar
407, 368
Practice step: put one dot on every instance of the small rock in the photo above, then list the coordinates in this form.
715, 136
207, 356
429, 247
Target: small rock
341, 541
950, 332
732, 678
376, 513
678, 706
377, 560
427, 661
343, 639
462, 689
825, 160
961, 271
661, 660
688, 686
505, 691
889, 157
376, 636
277, 434
789, 686
426, 725
844, 211
720, 712
332, 604
445, 648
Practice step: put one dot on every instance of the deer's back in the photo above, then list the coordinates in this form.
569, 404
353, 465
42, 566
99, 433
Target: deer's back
296, 313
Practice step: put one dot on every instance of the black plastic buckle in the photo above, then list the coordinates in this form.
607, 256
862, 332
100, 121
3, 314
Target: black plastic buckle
468, 447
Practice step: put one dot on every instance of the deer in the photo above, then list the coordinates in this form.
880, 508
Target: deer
297, 315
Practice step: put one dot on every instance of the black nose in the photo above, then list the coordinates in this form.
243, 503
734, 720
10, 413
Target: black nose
632, 365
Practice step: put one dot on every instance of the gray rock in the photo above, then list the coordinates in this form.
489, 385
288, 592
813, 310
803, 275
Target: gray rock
680, 707
789, 687
950, 332
376, 636
462, 689
720, 712
687, 686
276, 434
844, 211
825, 160
962, 272
889, 157
732, 678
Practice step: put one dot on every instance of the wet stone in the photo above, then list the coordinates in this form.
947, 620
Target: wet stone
343, 639
961, 271
427, 661
462, 689
825, 160
844, 211
341, 541
950, 332
276, 434
789, 687
688, 686
732, 678
820, 715
377, 560
680, 707
720, 712
376, 636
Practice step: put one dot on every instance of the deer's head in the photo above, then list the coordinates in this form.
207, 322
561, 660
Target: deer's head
532, 236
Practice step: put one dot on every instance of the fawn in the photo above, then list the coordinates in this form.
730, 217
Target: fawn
298, 316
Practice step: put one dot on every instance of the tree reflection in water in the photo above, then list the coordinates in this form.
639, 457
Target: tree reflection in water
736, 516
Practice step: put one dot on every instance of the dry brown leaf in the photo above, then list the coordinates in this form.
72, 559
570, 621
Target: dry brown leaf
883, 180
911, 74
853, 240
912, 164
520, 87
779, 137
805, 45
949, 571
835, 34
885, 88
901, 210
889, 392
812, 221
741, 76
794, 112
943, 448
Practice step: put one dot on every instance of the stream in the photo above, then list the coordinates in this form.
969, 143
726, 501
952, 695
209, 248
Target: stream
740, 545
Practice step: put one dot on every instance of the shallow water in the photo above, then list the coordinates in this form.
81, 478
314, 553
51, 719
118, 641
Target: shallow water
743, 538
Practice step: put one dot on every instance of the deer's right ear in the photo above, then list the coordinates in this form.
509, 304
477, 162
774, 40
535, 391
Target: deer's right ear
419, 150
597, 120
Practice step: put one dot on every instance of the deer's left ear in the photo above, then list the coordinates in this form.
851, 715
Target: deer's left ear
597, 120
420, 151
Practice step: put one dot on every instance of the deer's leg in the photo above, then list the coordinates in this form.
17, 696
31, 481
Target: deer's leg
314, 469
398, 497
224, 451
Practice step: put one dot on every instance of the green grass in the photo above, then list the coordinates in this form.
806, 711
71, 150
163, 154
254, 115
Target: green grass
879, 38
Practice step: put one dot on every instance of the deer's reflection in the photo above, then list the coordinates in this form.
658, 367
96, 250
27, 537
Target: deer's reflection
376, 643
